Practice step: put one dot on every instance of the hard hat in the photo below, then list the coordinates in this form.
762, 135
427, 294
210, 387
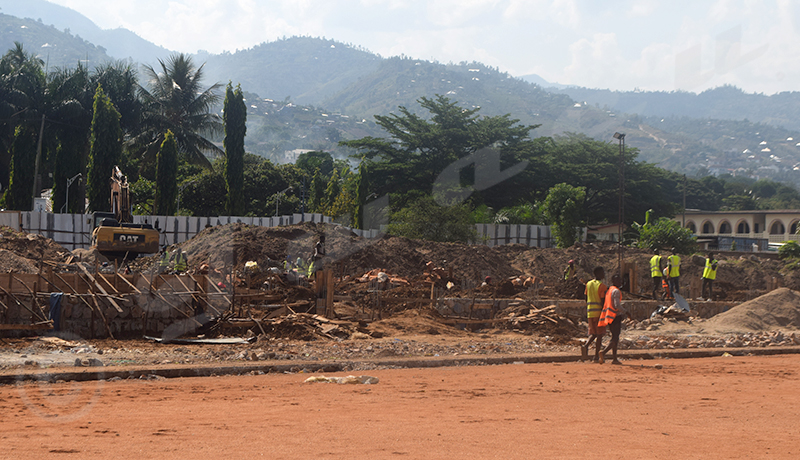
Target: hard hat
571, 262
487, 279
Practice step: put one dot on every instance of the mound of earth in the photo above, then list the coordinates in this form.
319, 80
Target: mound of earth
11, 262
778, 309
32, 246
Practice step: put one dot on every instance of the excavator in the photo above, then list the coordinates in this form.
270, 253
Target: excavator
115, 235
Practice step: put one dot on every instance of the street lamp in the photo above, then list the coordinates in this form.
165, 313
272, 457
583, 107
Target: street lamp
621, 138
69, 182
278, 198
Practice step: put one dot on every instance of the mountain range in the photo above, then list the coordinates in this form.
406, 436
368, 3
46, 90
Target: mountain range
309, 93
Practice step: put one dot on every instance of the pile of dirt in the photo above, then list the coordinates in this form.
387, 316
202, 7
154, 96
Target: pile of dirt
20, 251
778, 309
32, 246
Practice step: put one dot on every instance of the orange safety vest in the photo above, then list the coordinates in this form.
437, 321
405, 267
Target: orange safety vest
609, 311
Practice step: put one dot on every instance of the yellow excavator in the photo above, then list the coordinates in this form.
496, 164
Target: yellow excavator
115, 235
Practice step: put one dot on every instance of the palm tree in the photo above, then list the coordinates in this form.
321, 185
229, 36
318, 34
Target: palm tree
175, 101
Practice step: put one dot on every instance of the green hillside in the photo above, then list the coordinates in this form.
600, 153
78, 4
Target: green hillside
305, 69
57, 48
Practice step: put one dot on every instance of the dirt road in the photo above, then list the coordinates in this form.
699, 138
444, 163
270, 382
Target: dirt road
734, 407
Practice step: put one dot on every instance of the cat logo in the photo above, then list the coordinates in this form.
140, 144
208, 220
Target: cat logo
127, 238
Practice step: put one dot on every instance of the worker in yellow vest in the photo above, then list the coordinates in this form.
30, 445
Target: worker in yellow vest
569, 272
180, 261
655, 271
164, 260
595, 293
709, 275
674, 266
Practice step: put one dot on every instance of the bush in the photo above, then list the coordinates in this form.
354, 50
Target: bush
790, 249
666, 233
424, 219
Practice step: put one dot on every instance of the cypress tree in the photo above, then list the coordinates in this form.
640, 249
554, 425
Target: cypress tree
331, 192
23, 152
234, 117
105, 151
166, 176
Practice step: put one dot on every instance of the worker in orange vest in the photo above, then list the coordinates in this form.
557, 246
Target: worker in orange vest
595, 291
611, 316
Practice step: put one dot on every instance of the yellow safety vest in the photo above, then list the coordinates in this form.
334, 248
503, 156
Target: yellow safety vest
180, 262
595, 291
675, 266
568, 272
710, 273
655, 266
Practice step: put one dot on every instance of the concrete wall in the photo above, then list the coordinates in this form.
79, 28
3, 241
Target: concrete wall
75, 230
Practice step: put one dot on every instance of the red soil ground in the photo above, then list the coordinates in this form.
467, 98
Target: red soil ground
735, 407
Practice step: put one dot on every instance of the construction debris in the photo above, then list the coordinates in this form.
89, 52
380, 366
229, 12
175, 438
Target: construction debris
350, 379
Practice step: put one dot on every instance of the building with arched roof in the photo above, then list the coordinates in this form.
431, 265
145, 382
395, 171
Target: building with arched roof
713, 227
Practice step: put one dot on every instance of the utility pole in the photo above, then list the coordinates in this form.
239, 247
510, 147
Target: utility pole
36, 167
621, 138
684, 201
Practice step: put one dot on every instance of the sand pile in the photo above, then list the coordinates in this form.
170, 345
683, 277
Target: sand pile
779, 309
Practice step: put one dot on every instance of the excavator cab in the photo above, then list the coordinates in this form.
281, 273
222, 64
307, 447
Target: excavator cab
114, 234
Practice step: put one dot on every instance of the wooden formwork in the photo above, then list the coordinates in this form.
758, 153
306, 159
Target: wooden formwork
107, 303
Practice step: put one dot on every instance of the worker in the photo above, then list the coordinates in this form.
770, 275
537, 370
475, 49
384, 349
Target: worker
709, 275
674, 266
180, 261
164, 260
655, 271
666, 294
569, 272
595, 292
319, 248
611, 317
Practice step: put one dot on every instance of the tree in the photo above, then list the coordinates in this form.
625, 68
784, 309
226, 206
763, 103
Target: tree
563, 208
310, 162
345, 203
177, 102
362, 188
666, 233
105, 151
166, 176
331, 193
71, 97
418, 149
235, 117
425, 219
23, 150
316, 193
23, 91
789, 249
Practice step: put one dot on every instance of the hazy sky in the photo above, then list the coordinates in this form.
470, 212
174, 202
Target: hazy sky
617, 44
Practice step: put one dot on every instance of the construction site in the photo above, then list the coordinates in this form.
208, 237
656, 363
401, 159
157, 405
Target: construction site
254, 293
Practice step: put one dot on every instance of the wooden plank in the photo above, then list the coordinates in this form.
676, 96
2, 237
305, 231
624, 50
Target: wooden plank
26, 327
122, 277
89, 275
